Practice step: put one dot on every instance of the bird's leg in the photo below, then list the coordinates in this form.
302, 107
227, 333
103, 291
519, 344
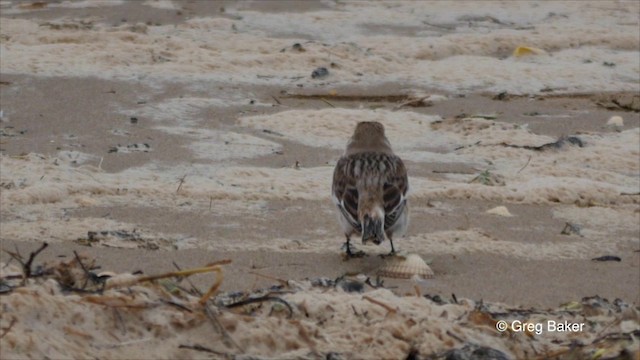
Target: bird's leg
349, 253
393, 250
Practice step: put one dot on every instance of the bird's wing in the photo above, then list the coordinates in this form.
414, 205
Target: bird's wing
345, 193
394, 190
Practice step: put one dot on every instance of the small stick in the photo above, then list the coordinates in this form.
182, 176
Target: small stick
377, 302
209, 268
6, 331
204, 298
216, 324
197, 347
281, 281
193, 287
326, 102
126, 343
181, 181
261, 299
276, 99
179, 306
87, 274
525, 165
118, 317
27, 265
413, 102
213, 267
455, 336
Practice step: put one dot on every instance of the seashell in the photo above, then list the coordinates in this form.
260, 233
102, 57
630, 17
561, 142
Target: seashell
406, 267
500, 211
615, 121
527, 50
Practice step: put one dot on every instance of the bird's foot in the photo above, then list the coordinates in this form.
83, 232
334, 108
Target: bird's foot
391, 254
352, 252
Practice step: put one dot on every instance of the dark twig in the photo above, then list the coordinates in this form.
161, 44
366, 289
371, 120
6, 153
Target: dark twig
216, 324
180, 182
327, 102
455, 336
6, 330
261, 299
32, 256
87, 274
197, 347
193, 287
27, 266
525, 165
378, 284
179, 306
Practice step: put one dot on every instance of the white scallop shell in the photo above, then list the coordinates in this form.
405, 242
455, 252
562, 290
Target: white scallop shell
500, 211
616, 121
406, 267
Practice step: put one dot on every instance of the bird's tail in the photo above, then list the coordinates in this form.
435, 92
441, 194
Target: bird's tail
372, 229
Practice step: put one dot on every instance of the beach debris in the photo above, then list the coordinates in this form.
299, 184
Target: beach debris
350, 285
608, 64
261, 299
157, 308
558, 144
327, 102
320, 73
133, 120
333, 356
619, 101
435, 298
419, 101
525, 165
527, 51
607, 258
475, 352
488, 178
501, 96
69, 25
406, 267
615, 121
500, 211
122, 239
138, 147
276, 100
296, 47
271, 132
181, 182
570, 229
34, 5
26, 265
483, 116
10, 131
198, 347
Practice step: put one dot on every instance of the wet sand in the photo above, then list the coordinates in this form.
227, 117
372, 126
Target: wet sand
185, 153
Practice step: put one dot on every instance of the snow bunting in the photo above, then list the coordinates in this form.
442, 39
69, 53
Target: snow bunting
369, 188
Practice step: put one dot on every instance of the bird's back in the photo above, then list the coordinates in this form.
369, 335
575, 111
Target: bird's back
370, 185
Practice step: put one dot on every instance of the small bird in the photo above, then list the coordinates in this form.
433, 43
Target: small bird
370, 187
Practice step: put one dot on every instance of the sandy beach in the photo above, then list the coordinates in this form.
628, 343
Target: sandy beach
150, 135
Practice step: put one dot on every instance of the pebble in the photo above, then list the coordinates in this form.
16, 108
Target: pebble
320, 73
615, 121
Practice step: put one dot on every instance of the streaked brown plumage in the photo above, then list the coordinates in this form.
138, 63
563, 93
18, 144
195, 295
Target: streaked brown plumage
370, 186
